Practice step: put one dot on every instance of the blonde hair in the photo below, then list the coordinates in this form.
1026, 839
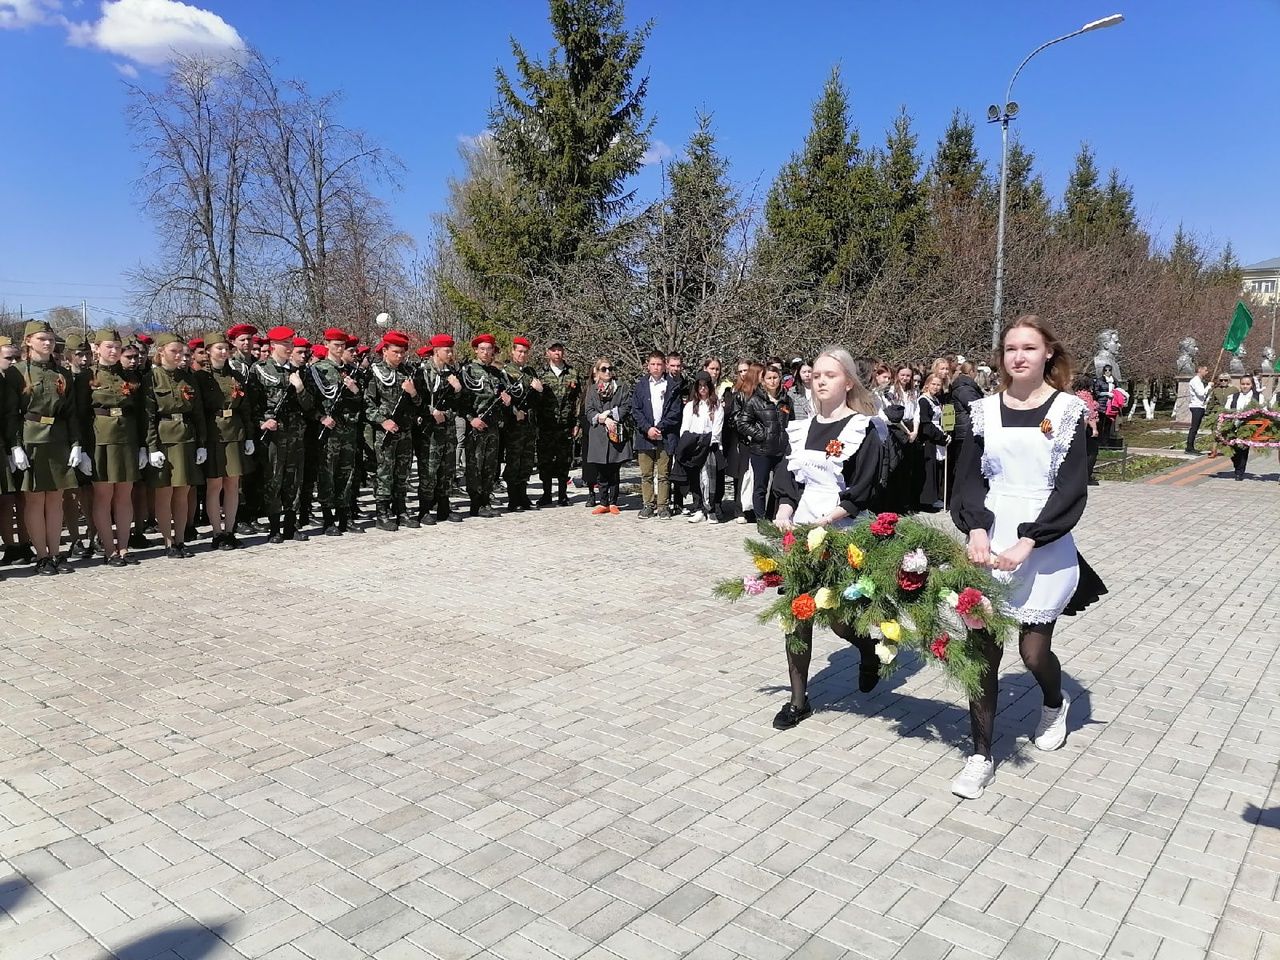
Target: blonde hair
859, 398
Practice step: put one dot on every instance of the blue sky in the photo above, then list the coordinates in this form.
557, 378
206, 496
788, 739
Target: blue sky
1181, 98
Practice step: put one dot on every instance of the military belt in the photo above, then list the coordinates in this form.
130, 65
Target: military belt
109, 411
36, 418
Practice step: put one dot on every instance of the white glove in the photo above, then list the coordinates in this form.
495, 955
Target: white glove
156, 459
74, 459
201, 455
19, 458
248, 448
86, 465
142, 458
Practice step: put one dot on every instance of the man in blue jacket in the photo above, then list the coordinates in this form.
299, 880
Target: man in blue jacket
655, 408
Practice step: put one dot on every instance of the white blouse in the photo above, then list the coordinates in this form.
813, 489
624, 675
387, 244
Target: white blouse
698, 418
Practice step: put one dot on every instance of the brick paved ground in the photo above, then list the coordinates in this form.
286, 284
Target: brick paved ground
540, 737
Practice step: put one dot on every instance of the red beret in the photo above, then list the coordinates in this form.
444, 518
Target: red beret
395, 339
333, 333
320, 351
483, 338
301, 342
144, 339
364, 349
520, 342
280, 334
259, 341
441, 340
240, 329
353, 341
423, 351
195, 344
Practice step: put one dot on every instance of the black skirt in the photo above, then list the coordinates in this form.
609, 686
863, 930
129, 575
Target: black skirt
1089, 590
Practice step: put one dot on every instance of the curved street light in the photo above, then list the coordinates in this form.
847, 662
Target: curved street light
1002, 116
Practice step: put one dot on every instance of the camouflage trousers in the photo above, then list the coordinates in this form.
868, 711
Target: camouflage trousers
482, 448
518, 437
395, 457
282, 478
435, 446
338, 452
555, 451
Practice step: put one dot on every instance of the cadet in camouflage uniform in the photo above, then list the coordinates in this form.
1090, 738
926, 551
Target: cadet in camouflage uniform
242, 361
486, 400
341, 406
558, 409
519, 432
76, 359
391, 406
364, 432
283, 404
436, 442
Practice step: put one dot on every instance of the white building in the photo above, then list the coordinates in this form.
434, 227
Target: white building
1263, 279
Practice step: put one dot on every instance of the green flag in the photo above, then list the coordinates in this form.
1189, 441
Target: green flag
1241, 322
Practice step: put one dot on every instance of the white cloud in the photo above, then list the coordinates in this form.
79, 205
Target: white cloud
127, 70
150, 32
657, 152
16, 14
482, 138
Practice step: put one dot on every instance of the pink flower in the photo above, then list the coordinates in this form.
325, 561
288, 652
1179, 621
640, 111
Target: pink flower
753, 585
788, 541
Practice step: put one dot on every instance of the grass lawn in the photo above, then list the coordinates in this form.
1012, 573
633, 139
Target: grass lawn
1138, 468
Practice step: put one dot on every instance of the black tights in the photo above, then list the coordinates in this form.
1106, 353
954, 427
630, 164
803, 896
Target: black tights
798, 663
1034, 643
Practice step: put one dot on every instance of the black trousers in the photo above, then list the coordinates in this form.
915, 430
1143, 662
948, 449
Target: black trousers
1239, 459
1197, 417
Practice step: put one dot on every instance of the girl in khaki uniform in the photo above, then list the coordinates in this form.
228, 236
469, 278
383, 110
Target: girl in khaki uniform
119, 424
230, 443
49, 450
176, 431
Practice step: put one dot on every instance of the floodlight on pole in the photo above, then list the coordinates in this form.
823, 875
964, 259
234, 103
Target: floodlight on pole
1002, 116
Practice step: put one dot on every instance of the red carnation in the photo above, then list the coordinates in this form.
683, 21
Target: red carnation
939, 646
909, 581
772, 579
788, 541
885, 525
968, 599
804, 607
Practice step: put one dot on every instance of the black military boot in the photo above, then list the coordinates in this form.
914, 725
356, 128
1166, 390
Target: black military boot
385, 520
273, 527
591, 497
563, 500
291, 530
138, 540
545, 500
330, 528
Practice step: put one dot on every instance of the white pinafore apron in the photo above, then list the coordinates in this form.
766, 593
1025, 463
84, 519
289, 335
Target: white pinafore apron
1021, 467
822, 475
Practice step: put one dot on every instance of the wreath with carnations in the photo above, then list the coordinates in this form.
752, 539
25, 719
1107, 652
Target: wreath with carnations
897, 580
1249, 428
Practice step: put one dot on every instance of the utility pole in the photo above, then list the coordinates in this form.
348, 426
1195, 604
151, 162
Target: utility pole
84, 317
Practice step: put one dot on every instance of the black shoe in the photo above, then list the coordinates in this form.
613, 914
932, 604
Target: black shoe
61, 564
24, 553
76, 550
190, 534
229, 542
246, 529
789, 715
410, 523
138, 542
276, 537
664, 514
215, 541
115, 560
129, 559
868, 672
332, 531
386, 523
150, 527
45, 567
451, 517
545, 500
428, 519
487, 512
300, 537
645, 513
9, 553
183, 551
1093, 481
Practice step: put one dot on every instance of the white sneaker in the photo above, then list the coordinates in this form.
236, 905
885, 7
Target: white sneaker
977, 773
687, 511
713, 518
696, 518
740, 519
1051, 731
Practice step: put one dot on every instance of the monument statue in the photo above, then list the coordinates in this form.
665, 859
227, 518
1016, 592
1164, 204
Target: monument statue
1236, 367
1268, 359
1108, 355
1188, 351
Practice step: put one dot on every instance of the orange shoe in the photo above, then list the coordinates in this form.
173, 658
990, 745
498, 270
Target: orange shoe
614, 510
599, 510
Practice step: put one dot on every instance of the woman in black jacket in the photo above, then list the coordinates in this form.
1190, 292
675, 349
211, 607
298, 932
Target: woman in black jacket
933, 442
761, 422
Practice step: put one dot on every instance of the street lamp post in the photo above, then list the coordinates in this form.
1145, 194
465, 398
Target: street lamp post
1002, 116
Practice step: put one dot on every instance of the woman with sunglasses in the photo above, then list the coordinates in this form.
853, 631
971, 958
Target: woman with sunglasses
607, 410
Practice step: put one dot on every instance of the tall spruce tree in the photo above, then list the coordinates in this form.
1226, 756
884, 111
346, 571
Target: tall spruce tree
903, 211
1081, 219
1027, 196
811, 208
571, 130
957, 174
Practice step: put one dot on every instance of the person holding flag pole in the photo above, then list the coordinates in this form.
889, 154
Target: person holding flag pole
1241, 324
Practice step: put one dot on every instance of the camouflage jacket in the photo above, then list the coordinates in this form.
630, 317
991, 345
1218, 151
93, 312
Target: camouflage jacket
275, 397
482, 384
437, 392
561, 399
333, 397
385, 398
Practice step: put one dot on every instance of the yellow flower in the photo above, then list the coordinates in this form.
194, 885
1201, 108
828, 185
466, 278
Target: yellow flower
816, 536
766, 564
886, 652
891, 629
825, 598
856, 556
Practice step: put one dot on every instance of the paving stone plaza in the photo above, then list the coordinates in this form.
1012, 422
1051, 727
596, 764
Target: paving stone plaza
542, 737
